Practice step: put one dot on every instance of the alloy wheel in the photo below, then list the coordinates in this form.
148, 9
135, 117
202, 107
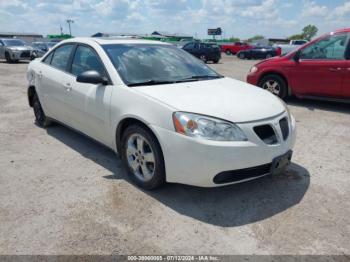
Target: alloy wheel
272, 86
140, 157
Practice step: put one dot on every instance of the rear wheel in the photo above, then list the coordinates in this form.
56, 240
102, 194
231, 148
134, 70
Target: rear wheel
39, 114
216, 61
143, 157
275, 84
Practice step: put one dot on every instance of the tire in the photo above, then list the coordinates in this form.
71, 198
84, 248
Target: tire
275, 84
216, 61
8, 58
241, 56
40, 117
137, 146
268, 56
203, 58
228, 52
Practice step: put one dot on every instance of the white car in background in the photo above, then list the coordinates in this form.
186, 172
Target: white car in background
168, 115
293, 45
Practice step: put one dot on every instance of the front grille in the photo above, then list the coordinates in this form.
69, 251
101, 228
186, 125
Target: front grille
25, 54
266, 134
241, 174
284, 128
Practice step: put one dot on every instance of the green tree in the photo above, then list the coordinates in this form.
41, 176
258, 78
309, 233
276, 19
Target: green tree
309, 31
255, 38
296, 37
233, 39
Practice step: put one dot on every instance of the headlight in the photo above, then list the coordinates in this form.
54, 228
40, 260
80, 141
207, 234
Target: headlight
253, 69
207, 127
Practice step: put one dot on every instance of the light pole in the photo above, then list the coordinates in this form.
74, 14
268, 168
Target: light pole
70, 21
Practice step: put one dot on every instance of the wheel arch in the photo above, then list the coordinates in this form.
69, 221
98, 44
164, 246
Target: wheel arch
31, 92
278, 74
126, 122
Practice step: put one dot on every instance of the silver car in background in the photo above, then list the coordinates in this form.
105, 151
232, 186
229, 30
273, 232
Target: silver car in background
14, 50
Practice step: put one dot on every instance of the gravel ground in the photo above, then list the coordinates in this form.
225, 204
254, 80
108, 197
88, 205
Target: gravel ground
61, 193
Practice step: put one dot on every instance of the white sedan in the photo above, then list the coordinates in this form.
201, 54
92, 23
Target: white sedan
170, 117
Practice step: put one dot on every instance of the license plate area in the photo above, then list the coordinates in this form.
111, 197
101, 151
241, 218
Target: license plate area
280, 163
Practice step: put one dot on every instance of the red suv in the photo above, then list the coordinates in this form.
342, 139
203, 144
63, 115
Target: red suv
232, 49
319, 69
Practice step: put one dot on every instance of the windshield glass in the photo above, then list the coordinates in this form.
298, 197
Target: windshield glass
13, 42
156, 64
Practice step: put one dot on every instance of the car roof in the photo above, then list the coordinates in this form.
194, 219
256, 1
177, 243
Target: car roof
106, 41
344, 30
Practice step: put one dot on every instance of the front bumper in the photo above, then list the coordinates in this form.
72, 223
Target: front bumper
197, 161
21, 55
253, 79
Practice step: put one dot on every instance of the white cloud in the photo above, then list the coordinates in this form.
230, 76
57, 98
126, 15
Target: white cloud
310, 9
342, 10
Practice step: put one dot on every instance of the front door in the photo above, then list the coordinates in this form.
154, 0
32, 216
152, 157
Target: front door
89, 104
320, 69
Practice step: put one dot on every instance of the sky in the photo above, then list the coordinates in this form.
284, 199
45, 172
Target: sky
239, 18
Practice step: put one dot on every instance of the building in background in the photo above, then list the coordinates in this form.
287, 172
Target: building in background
28, 37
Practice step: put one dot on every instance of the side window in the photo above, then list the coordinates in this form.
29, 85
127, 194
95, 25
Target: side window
61, 56
331, 47
189, 46
86, 59
48, 59
196, 46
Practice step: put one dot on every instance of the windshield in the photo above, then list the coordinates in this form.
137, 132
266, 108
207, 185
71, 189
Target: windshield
139, 64
13, 42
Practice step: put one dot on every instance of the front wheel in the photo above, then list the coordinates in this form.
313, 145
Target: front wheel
268, 56
275, 84
203, 58
39, 114
143, 157
8, 58
228, 52
241, 56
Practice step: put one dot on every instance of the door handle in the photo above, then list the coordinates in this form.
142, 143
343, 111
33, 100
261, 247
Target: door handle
333, 69
40, 74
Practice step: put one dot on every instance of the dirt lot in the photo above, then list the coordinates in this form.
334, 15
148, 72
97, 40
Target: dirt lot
61, 193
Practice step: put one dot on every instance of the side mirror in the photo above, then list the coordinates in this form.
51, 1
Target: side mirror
296, 56
92, 77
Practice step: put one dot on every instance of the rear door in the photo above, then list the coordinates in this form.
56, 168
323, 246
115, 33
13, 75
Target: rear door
88, 104
51, 76
321, 68
346, 83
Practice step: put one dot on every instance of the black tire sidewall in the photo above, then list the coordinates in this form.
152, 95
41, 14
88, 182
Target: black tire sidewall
43, 122
159, 175
282, 83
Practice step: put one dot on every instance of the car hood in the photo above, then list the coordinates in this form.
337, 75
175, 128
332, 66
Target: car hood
21, 48
223, 98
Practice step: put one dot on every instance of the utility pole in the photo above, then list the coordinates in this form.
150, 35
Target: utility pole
70, 21
61, 29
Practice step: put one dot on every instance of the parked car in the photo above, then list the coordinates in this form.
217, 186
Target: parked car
40, 48
320, 69
259, 52
13, 50
204, 51
168, 115
232, 49
293, 45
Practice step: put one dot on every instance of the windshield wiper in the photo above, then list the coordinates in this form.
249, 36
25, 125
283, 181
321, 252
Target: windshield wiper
151, 82
198, 77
